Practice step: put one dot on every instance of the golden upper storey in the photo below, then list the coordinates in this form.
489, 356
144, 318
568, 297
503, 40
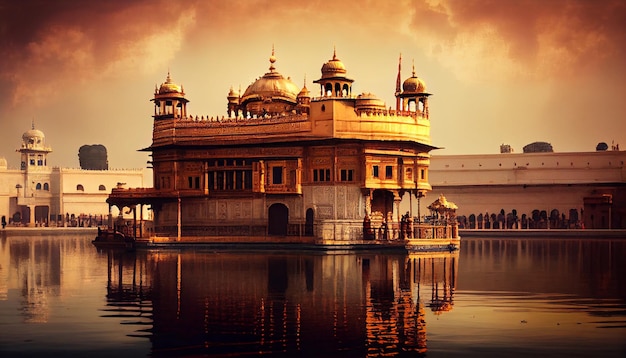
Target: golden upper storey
274, 109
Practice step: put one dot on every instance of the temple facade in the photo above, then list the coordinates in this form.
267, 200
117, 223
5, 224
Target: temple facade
284, 162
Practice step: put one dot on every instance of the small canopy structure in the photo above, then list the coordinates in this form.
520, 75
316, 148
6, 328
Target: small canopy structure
442, 205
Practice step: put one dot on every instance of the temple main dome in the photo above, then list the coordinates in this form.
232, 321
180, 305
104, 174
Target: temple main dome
271, 86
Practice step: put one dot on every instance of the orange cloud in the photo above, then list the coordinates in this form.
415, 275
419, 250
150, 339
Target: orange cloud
89, 43
530, 39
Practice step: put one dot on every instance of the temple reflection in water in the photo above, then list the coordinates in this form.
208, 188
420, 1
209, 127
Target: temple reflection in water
59, 296
239, 303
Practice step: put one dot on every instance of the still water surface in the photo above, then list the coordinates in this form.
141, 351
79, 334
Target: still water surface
59, 296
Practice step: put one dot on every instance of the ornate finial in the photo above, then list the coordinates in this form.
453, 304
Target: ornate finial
305, 80
272, 60
169, 78
33, 124
334, 53
414, 68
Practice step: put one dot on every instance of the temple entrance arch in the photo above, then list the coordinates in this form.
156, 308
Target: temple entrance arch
278, 219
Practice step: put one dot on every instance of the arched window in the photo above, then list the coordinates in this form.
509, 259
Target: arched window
80, 187
46, 186
38, 186
328, 90
102, 188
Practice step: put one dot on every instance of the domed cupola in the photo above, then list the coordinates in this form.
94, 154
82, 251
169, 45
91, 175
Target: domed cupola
169, 100
304, 99
33, 139
271, 94
233, 96
170, 87
304, 92
333, 68
334, 82
413, 95
34, 151
233, 103
413, 85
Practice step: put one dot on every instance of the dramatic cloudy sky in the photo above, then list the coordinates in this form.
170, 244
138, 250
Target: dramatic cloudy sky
510, 72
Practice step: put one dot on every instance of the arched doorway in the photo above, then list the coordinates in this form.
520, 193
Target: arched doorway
382, 202
42, 214
17, 217
278, 219
308, 225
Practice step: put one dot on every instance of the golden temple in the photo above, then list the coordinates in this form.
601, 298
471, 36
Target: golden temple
285, 167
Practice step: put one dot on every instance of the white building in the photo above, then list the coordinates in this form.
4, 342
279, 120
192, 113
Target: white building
37, 194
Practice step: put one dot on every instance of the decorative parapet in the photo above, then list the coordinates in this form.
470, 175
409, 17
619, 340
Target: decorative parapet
192, 131
387, 125
384, 127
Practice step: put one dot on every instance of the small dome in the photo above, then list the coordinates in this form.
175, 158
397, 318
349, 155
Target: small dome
169, 86
304, 92
333, 68
32, 134
3, 163
413, 85
233, 95
368, 102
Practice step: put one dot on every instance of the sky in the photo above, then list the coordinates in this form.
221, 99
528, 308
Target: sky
500, 72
